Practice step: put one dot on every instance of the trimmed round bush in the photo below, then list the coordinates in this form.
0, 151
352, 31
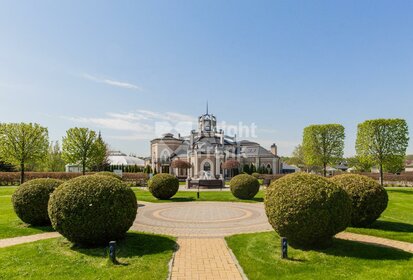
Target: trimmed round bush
107, 173
244, 186
307, 209
92, 210
256, 175
369, 198
163, 186
31, 198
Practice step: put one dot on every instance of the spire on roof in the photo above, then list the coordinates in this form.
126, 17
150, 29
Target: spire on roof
207, 108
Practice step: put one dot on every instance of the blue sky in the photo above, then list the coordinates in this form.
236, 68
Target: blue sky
128, 67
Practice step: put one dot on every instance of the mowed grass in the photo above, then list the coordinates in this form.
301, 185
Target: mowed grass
182, 196
259, 256
10, 224
396, 222
140, 256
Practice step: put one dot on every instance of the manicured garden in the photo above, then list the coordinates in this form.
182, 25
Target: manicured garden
10, 224
182, 196
259, 256
396, 222
140, 256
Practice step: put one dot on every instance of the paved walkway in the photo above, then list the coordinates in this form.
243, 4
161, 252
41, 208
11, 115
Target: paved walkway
26, 239
201, 219
202, 259
378, 241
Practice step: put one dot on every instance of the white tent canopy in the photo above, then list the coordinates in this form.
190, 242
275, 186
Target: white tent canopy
118, 158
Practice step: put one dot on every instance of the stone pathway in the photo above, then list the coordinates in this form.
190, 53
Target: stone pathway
378, 241
26, 239
201, 219
204, 259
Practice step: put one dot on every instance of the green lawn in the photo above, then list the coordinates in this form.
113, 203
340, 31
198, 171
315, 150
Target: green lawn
182, 196
141, 256
10, 224
396, 222
259, 256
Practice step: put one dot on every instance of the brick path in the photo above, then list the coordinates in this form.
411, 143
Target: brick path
204, 258
201, 219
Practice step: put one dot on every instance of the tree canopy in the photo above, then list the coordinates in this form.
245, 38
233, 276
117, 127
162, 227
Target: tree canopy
81, 146
21, 143
382, 142
323, 145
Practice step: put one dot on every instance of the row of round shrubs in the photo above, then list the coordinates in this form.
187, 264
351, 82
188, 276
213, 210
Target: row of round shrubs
87, 210
309, 209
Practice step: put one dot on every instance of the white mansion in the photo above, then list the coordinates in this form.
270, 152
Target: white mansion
206, 150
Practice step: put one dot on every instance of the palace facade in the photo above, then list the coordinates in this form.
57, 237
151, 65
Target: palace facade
206, 150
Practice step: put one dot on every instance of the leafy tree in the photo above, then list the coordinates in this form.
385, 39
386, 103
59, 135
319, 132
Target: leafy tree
55, 162
21, 143
394, 165
359, 164
323, 145
246, 169
297, 157
79, 146
382, 141
99, 160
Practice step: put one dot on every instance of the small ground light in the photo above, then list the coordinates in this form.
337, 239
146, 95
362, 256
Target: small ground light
284, 248
112, 251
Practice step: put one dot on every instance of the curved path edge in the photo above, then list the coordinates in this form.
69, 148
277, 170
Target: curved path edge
27, 239
378, 241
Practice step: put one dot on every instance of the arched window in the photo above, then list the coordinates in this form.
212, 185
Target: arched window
207, 166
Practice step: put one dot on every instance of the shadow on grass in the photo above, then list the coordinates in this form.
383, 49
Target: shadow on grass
353, 249
134, 244
391, 226
42, 228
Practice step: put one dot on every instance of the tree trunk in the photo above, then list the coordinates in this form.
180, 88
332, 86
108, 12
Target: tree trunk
83, 167
381, 174
21, 173
325, 170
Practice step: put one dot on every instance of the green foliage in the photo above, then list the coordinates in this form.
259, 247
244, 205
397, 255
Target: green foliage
359, 163
147, 169
394, 165
323, 144
54, 161
82, 146
92, 210
31, 198
297, 157
246, 169
368, 197
244, 186
6, 167
99, 160
163, 186
382, 141
307, 209
21, 143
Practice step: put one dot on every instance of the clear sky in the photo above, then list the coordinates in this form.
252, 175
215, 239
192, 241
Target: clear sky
130, 68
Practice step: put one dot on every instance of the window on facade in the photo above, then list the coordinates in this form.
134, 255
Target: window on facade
207, 166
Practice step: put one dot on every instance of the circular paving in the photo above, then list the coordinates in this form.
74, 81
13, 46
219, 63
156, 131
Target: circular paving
201, 219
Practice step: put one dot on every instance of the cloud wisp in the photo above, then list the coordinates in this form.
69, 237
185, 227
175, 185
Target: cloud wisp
112, 82
139, 125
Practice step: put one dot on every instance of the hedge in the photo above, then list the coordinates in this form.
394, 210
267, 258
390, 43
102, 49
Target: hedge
13, 178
